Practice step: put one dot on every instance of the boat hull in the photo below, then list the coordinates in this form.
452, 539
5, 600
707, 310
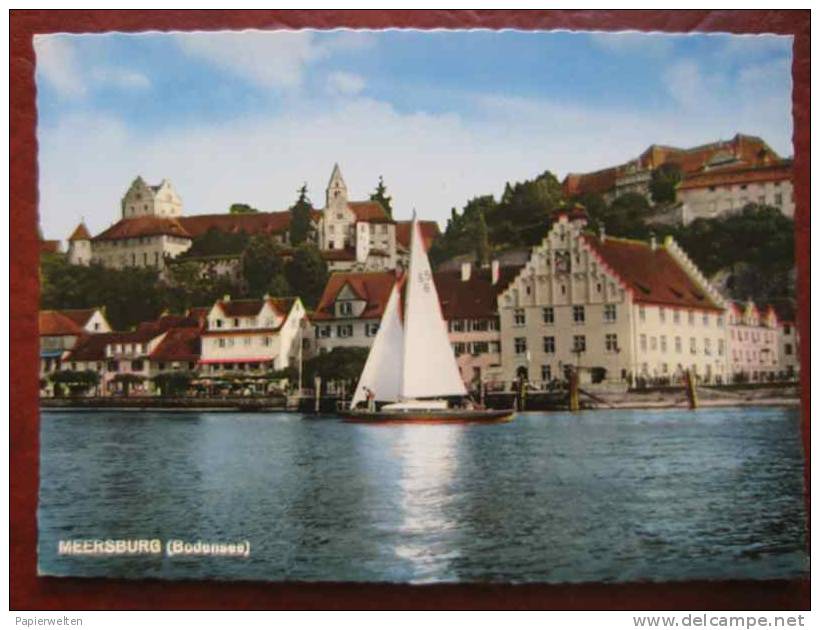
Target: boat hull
429, 416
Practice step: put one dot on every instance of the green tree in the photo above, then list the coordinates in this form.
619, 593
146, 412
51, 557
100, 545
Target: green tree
242, 208
263, 267
301, 223
340, 364
173, 383
215, 242
307, 274
482, 242
76, 381
626, 215
664, 183
380, 195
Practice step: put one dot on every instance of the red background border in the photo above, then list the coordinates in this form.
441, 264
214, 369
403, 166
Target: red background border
30, 592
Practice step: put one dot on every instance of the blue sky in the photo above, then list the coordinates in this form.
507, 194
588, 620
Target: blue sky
443, 116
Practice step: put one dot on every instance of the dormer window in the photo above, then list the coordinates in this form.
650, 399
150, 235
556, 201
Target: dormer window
345, 308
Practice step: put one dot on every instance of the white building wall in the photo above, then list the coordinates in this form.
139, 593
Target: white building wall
714, 201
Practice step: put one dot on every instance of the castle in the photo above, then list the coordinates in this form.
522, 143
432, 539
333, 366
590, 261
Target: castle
152, 230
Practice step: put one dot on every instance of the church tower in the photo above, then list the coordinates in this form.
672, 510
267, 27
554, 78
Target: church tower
336, 194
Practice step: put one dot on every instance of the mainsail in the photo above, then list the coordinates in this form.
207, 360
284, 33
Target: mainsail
411, 357
381, 373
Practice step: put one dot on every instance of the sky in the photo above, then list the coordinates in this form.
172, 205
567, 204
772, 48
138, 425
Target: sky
443, 116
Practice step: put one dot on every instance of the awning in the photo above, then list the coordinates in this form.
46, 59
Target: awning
51, 354
240, 360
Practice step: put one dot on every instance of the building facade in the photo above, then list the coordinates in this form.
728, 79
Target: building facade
616, 310
754, 343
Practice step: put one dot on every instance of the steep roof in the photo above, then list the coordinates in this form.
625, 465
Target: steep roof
49, 246
429, 232
57, 323
80, 316
80, 233
653, 277
91, 347
369, 211
475, 298
373, 287
743, 174
143, 226
596, 182
179, 344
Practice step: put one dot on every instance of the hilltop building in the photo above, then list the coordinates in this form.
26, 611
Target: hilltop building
717, 178
152, 230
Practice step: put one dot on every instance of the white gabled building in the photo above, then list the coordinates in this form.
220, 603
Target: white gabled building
623, 311
252, 335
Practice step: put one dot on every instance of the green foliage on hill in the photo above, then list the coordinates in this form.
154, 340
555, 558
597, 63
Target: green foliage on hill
306, 274
664, 183
215, 242
242, 208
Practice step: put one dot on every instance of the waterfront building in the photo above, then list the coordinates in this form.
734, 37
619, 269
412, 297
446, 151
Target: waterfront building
469, 304
717, 178
789, 353
754, 343
618, 310
60, 331
350, 309
152, 230
254, 336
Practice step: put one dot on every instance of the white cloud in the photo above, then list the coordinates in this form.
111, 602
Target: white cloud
272, 59
57, 64
431, 162
121, 78
345, 83
631, 42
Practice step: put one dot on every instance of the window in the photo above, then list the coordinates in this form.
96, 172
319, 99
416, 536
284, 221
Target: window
549, 345
653, 343
611, 343
371, 329
578, 314
520, 345
323, 332
519, 317
546, 373
219, 323
548, 313
220, 342
676, 316
787, 349
246, 341
706, 319
458, 348
344, 330
720, 321
345, 308
664, 368
266, 341
787, 330
643, 343
610, 313
136, 366
579, 343
662, 314
663, 343
480, 347
721, 347
778, 199
691, 318
693, 345
642, 313
707, 347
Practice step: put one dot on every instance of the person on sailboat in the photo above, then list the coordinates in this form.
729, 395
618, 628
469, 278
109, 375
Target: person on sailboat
371, 399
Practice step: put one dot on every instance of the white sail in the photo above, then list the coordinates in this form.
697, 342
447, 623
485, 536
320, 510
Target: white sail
382, 373
429, 367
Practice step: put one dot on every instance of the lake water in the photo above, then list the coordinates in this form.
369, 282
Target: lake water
550, 497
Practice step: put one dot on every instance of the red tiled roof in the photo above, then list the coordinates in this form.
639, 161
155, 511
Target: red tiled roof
738, 175
57, 323
251, 223
475, 298
179, 344
91, 347
80, 316
429, 232
653, 277
143, 226
370, 211
596, 182
249, 308
198, 313
742, 150
372, 287
80, 233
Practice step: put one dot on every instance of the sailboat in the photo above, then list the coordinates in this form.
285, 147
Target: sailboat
411, 374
